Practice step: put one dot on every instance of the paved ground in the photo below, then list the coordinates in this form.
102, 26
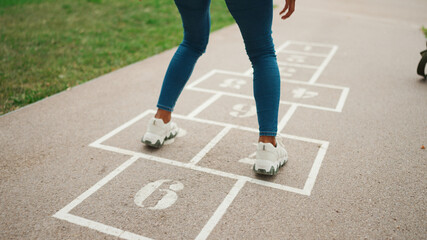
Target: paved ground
353, 117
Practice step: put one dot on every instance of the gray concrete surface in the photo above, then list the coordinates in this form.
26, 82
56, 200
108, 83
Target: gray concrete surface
353, 118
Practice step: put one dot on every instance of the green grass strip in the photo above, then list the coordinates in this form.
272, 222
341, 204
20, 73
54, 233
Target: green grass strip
48, 46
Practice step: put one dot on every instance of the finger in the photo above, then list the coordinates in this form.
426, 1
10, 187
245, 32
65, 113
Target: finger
285, 8
290, 11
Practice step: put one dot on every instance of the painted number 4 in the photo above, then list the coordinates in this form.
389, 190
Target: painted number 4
168, 198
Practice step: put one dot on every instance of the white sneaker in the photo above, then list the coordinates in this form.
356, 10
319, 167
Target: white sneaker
158, 132
269, 158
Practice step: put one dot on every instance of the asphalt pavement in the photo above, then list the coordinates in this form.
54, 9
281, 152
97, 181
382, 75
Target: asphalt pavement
353, 117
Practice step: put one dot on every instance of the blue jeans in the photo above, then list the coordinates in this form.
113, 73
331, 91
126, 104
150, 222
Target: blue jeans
254, 18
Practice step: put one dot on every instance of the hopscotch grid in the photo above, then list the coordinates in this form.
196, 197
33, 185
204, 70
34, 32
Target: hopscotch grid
338, 107
241, 180
216, 71
252, 98
210, 145
192, 166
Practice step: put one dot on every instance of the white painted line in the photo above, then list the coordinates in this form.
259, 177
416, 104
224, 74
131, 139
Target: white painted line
303, 139
285, 80
287, 117
304, 53
310, 106
206, 76
251, 97
222, 92
204, 105
312, 44
214, 171
298, 138
248, 72
283, 46
216, 217
100, 227
123, 126
96, 187
297, 65
314, 84
204, 169
342, 99
322, 67
277, 186
249, 161
309, 183
210, 145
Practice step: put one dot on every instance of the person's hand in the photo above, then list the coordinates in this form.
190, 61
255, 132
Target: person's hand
290, 7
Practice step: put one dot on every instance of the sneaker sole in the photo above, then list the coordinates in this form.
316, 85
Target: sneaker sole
272, 171
153, 140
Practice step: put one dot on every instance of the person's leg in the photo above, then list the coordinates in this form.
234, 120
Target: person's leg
196, 23
254, 18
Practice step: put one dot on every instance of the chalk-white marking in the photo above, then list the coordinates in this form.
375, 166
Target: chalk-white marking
248, 72
251, 97
242, 110
311, 44
171, 196
216, 71
97, 186
210, 145
204, 105
181, 133
248, 160
127, 124
234, 83
209, 170
304, 53
100, 227
309, 183
166, 201
297, 65
287, 71
197, 81
308, 48
282, 102
285, 119
314, 84
303, 93
283, 46
342, 99
322, 67
251, 158
296, 58
220, 211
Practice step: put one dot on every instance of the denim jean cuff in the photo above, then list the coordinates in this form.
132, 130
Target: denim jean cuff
165, 107
266, 133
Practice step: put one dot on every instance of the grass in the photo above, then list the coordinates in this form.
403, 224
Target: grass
47, 46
